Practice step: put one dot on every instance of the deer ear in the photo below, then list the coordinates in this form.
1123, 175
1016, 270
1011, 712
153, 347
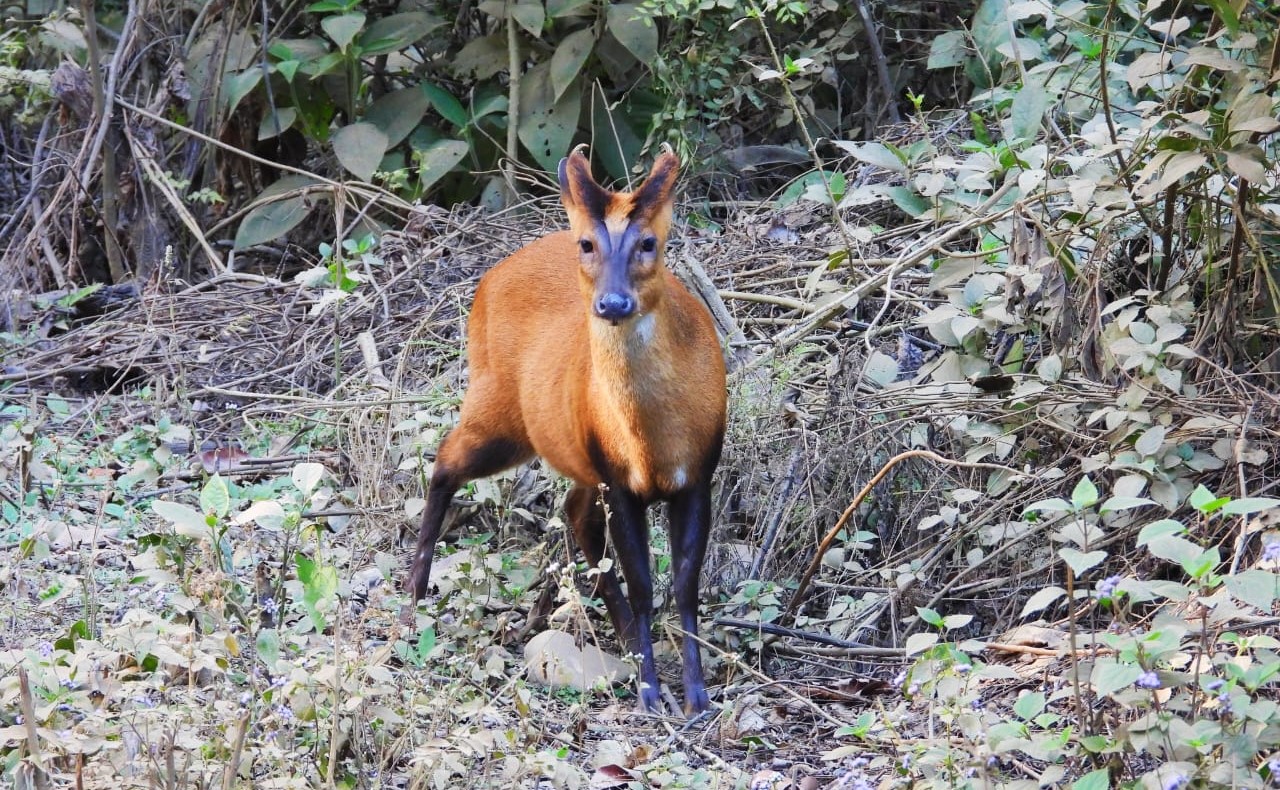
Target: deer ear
577, 188
656, 191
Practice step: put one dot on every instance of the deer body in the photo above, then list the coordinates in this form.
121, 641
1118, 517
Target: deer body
585, 350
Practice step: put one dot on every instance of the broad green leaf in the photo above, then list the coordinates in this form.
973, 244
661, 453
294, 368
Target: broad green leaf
1027, 113
266, 513
1203, 500
215, 497
1159, 529
929, 616
1151, 440
1085, 494
910, 202
1094, 780
319, 588
618, 140
1110, 676
437, 159
634, 30
267, 644
530, 15
343, 28
1241, 507
1258, 588
273, 123
360, 148
546, 126
1042, 599
240, 85
559, 8
1174, 548
567, 61
948, 50
449, 108
1051, 505
1029, 705
1079, 561
1202, 564
873, 153
396, 113
306, 476
187, 521
918, 643
482, 57
954, 621
270, 221
1247, 161
397, 31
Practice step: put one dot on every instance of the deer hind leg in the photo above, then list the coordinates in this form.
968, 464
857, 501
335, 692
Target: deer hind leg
586, 515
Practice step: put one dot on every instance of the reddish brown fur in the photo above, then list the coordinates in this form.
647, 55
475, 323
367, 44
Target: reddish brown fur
636, 404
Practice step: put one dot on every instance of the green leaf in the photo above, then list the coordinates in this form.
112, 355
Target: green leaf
1110, 675
306, 476
560, 8
1201, 565
1079, 561
215, 497
360, 148
1094, 780
1029, 107
437, 159
1029, 705
634, 30
1051, 505
918, 643
1174, 549
426, 643
530, 15
273, 123
1204, 501
187, 521
1247, 505
271, 220
547, 125
319, 588
567, 61
343, 28
397, 113
1084, 495
873, 153
910, 202
449, 108
930, 616
1042, 599
1151, 440
1258, 588
397, 31
1159, 529
240, 85
267, 644
948, 50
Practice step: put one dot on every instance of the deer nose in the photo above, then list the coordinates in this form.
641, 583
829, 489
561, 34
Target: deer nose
615, 306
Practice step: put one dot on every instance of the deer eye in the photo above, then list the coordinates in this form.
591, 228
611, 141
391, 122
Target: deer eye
648, 244
586, 246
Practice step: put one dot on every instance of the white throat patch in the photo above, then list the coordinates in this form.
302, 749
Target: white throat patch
644, 328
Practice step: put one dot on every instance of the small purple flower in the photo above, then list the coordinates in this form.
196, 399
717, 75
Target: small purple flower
285, 713
269, 605
1176, 782
1215, 684
913, 689
1271, 551
976, 704
963, 669
906, 762
1148, 680
45, 648
899, 679
1107, 587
